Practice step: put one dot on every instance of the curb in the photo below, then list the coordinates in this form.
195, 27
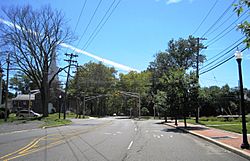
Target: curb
230, 148
46, 127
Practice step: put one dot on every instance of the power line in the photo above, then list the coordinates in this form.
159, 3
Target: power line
241, 39
79, 17
99, 23
218, 65
222, 56
222, 23
216, 38
218, 20
232, 56
103, 24
91, 19
206, 17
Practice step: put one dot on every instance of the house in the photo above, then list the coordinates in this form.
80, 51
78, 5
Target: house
22, 101
34, 98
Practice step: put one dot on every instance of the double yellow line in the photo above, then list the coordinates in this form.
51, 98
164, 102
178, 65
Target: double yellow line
33, 146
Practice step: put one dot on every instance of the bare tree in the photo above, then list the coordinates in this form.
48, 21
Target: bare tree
33, 39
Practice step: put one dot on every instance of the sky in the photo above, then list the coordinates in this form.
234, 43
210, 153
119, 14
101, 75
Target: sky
138, 29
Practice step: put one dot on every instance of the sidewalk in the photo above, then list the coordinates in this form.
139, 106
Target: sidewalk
225, 139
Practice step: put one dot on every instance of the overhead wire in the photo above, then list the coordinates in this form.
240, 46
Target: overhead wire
78, 19
218, 20
103, 24
222, 23
111, 5
219, 54
220, 36
91, 19
219, 64
205, 17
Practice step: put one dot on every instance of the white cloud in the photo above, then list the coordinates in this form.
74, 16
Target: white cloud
173, 1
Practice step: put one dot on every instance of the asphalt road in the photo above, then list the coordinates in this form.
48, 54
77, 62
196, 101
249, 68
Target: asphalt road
110, 139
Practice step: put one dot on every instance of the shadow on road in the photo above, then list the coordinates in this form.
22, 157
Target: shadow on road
173, 130
194, 128
179, 129
162, 122
123, 117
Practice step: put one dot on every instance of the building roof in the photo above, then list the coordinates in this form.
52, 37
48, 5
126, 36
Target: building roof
24, 97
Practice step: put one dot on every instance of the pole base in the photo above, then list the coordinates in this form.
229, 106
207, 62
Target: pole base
244, 146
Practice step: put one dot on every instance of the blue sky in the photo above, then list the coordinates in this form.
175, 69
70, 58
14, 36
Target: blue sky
138, 29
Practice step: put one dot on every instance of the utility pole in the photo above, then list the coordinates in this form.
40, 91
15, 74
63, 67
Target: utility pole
84, 108
139, 106
78, 108
1, 84
70, 61
7, 88
197, 75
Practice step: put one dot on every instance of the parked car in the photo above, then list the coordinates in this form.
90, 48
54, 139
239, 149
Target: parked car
27, 113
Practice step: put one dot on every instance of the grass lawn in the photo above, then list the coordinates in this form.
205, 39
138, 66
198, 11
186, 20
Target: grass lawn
232, 125
12, 118
52, 121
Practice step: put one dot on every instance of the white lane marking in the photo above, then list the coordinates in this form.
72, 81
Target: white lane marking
131, 143
158, 137
155, 135
114, 134
107, 133
118, 132
135, 129
161, 135
171, 136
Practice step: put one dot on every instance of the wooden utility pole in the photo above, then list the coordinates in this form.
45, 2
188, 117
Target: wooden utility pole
7, 88
197, 76
71, 56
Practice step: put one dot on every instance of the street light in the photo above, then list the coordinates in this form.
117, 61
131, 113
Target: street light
60, 99
244, 145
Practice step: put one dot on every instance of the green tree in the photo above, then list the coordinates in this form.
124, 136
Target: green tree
94, 79
144, 111
21, 83
245, 26
136, 83
169, 73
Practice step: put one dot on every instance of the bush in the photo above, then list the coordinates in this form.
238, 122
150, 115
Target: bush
144, 111
204, 119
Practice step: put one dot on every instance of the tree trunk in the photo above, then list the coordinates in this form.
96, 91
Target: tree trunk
176, 124
44, 98
185, 121
165, 116
45, 90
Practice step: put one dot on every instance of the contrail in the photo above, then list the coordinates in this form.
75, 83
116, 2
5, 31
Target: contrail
105, 61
